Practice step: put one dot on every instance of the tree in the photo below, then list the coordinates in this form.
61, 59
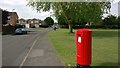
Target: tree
118, 20
110, 20
73, 11
62, 20
49, 21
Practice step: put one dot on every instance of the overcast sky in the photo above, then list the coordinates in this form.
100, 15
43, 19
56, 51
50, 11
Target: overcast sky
22, 10
114, 9
26, 12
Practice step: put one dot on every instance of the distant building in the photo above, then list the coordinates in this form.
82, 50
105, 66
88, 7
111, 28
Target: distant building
43, 23
28, 21
34, 22
9, 20
22, 21
13, 18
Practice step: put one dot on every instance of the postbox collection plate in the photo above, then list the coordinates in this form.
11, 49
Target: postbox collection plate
79, 39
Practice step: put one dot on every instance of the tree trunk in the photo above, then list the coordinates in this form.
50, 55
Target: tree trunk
70, 28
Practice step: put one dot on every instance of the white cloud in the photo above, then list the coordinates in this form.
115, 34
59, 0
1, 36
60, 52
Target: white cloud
115, 1
114, 9
14, 2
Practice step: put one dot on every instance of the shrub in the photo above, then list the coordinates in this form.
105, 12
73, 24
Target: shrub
7, 30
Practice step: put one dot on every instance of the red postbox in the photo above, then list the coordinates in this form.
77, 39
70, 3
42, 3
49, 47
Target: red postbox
83, 40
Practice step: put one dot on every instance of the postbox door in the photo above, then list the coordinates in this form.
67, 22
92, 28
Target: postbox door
80, 48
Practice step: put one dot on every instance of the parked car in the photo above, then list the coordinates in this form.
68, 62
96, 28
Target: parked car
20, 31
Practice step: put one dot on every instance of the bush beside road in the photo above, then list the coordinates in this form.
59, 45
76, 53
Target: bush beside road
104, 46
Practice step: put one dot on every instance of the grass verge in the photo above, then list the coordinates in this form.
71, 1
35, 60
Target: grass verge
104, 46
38, 28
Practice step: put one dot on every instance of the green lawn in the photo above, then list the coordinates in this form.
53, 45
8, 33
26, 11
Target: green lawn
104, 46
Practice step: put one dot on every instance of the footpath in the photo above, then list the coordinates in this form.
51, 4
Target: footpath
42, 53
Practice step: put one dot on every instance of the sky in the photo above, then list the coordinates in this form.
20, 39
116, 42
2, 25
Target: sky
26, 12
23, 11
114, 9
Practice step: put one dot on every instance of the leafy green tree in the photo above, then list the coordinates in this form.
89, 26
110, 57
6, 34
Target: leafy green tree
49, 21
90, 11
111, 20
118, 20
62, 20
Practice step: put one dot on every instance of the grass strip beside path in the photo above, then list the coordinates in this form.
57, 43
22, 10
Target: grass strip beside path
104, 46
64, 45
37, 28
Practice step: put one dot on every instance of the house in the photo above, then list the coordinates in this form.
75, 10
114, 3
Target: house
43, 24
34, 22
13, 18
29, 22
9, 20
22, 21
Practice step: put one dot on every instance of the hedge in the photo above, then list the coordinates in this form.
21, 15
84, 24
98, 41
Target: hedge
93, 26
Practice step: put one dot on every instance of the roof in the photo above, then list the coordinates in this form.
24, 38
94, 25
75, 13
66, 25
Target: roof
22, 19
13, 13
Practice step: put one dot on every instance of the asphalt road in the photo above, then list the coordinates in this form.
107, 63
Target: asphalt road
15, 47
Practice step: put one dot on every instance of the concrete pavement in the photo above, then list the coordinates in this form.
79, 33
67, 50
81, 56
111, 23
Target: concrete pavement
43, 53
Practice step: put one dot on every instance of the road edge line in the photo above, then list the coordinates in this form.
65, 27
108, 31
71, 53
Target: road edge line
28, 53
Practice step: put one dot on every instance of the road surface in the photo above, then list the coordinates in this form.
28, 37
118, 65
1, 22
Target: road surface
16, 49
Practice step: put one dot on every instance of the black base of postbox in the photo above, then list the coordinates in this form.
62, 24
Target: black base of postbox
80, 66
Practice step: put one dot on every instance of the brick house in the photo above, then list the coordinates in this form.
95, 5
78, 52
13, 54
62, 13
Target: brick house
34, 22
13, 18
9, 20
22, 21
